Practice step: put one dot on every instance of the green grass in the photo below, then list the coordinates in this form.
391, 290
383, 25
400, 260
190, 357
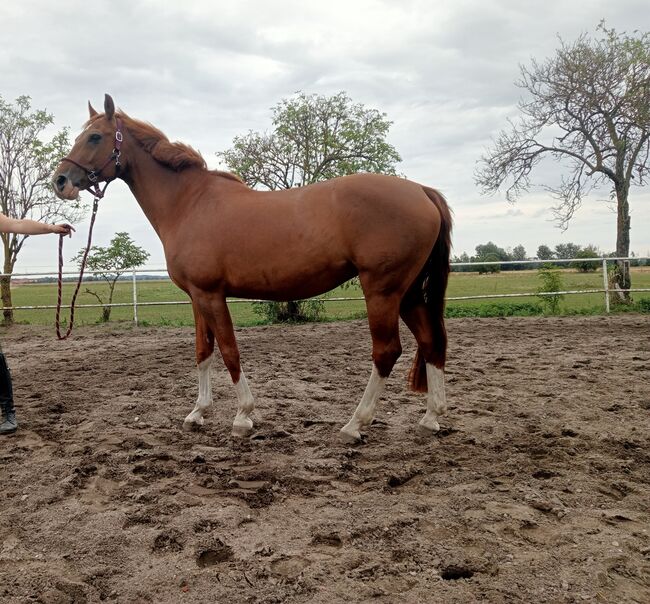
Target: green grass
517, 282
460, 284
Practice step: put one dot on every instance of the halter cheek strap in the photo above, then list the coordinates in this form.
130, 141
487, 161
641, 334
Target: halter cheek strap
93, 175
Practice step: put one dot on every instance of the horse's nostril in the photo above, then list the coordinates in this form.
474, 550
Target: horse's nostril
60, 182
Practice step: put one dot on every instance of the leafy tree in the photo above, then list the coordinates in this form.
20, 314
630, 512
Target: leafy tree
491, 249
567, 250
313, 138
122, 254
26, 165
545, 253
519, 253
489, 252
464, 257
586, 266
488, 268
587, 107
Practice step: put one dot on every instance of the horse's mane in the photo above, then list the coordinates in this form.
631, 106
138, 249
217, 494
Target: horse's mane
177, 156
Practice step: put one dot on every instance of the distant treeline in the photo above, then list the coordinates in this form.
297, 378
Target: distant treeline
490, 252
126, 277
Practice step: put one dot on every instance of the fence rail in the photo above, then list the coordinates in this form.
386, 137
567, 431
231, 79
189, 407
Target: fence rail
135, 304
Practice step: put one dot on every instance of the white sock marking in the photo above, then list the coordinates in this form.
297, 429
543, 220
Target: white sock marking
436, 400
243, 423
365, 411
204, 399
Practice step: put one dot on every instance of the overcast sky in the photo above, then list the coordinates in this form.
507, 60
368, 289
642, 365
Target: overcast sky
205, 71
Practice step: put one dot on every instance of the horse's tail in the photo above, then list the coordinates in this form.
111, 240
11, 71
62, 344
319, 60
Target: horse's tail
433, 280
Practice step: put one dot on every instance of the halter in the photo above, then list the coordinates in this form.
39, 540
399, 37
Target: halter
93, 187
93, 175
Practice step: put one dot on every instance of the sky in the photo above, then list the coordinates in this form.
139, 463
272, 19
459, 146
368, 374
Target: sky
205, 71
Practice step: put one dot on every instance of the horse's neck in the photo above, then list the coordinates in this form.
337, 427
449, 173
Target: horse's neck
156, 189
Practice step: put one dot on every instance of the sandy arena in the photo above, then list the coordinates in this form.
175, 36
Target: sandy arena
536, 489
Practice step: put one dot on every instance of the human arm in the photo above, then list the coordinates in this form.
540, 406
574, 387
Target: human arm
32, 227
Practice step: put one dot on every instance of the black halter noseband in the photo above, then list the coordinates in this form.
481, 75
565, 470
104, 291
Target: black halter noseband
93, 175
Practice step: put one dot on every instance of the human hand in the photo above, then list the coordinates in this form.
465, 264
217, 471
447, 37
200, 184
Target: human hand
63, 229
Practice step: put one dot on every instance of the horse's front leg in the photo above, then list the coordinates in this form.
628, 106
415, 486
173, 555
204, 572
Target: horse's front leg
217, 316
204, 349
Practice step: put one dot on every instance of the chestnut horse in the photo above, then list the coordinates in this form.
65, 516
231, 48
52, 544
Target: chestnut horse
222, 238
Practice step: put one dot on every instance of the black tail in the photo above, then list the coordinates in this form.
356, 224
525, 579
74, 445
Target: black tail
434, 282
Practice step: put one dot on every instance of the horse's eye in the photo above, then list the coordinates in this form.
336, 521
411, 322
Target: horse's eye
94, 138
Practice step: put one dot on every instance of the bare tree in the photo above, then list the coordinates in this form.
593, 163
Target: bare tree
26, 165
587, 107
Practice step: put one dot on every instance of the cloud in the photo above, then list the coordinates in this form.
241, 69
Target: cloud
204, 72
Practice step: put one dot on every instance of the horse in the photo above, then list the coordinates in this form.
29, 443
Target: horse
222, 238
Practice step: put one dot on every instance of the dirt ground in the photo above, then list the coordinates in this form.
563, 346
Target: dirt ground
536, 489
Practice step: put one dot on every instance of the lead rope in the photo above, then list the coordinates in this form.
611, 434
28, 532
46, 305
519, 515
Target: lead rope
98, 192
81, 274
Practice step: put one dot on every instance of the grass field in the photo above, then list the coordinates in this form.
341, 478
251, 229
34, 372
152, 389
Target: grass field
460, 284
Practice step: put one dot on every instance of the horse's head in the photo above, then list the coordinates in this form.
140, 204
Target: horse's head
95, 156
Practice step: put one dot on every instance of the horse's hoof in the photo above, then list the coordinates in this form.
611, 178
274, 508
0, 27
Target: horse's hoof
428, 429
349, 438
242, 430
191, 426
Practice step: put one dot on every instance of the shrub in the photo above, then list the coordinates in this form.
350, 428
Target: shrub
494, 309
586, 266
290, 312
489, 268
551, 282
643, 305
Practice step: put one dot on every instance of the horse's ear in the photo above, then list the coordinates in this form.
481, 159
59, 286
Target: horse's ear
91, 110
109, 107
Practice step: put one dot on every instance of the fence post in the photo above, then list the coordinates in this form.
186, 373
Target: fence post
135, 300
606, 285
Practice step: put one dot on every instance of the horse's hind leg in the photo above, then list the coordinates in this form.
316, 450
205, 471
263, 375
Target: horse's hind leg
383, 319
204, 349
431, 339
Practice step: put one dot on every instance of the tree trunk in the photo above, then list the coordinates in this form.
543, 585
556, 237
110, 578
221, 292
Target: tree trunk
5, 287
294, 312
622, 277
8, 314
106, 311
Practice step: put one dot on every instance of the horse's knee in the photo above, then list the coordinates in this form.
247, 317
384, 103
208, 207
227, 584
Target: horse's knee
386, 356
202, 355
232, 362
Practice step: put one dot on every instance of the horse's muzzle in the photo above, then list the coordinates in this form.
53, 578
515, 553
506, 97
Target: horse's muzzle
60, 182
64, 188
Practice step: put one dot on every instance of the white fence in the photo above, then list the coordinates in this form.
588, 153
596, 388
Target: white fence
135, 304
